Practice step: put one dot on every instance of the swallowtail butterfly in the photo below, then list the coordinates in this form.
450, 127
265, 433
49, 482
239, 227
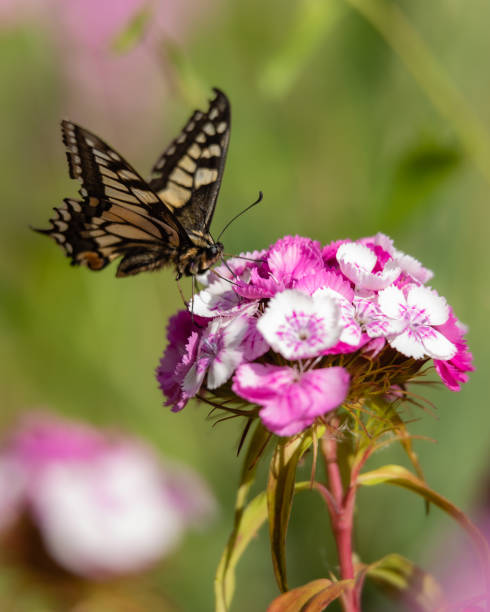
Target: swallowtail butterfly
148, 224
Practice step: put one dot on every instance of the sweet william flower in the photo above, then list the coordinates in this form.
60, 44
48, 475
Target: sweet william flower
299, 326
178, 357
291, 400
358, 263
289, 260
217, 355
453, 371
359, 305
412, 319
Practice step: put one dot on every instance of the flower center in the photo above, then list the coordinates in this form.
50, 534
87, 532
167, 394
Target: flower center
212, 345
415, 316
300, 328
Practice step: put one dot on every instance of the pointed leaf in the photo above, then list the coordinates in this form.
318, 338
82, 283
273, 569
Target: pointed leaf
402, 579
312, 597
280, 491
248, 520
133, 32
398, 475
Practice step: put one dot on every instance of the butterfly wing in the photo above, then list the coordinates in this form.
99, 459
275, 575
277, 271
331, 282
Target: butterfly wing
187, 176
119, 214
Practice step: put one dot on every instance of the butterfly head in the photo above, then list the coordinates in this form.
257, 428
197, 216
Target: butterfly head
200, 259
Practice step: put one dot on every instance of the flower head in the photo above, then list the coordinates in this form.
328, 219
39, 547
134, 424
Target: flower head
304, 329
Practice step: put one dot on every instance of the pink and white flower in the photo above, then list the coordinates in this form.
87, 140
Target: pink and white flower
291, 400
103, 503
220, 299
358, 263
412, 319
298, 301
288, 261
217, 355
299, 326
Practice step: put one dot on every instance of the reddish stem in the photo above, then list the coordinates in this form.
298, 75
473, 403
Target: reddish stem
341, 516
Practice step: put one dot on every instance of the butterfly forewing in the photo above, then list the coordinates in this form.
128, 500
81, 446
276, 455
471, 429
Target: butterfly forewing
148, 225
187, 176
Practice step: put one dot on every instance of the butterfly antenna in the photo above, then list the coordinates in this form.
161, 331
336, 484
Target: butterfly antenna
245, 258
259, 199
229, 269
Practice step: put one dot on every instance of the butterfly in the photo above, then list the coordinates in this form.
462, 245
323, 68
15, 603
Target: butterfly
149, 224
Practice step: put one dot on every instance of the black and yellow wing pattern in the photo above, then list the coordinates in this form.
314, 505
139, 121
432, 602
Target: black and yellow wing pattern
187, 176
148, 225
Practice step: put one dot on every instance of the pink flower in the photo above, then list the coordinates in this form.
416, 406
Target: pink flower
289, 260
365, 268
413, 319
103, 503
299, 326
291, 400
178, 357
98, 81
453, 371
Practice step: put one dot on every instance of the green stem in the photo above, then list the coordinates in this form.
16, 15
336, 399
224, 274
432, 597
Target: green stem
392, 24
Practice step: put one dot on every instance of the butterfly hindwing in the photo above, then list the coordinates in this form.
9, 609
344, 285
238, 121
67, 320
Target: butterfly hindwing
95, 232
187, 176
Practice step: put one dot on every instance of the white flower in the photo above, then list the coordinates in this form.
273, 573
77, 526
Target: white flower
412, 267
220, 299
416, 314
299, 326
351, 330
371, 319
357, 263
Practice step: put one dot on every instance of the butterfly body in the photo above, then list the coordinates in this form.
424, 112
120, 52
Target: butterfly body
147, 224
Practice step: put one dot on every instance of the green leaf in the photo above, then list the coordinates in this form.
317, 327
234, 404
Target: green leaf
280, 491
248, 520
133, 32
400, 476
401, 578
314, 596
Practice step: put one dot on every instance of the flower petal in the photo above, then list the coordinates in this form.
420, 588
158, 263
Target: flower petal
392, 302
438, 346
298, 403
434, 305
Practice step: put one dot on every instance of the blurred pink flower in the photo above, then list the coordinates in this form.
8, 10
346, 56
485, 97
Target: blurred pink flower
100, 83
103, 504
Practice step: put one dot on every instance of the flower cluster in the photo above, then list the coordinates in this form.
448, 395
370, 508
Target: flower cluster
299, 329
103, 504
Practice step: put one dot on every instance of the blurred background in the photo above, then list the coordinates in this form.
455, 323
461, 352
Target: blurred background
352, 116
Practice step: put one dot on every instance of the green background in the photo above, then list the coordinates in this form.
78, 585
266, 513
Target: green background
349, 126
